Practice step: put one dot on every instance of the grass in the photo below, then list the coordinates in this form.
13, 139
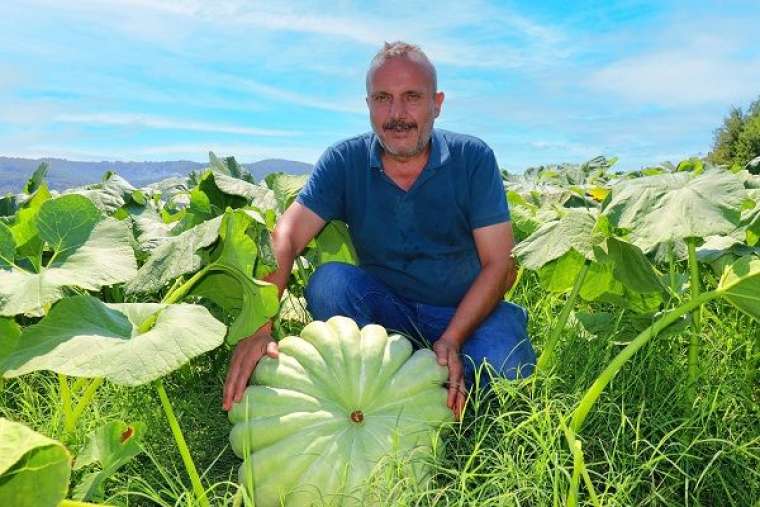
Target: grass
643, 444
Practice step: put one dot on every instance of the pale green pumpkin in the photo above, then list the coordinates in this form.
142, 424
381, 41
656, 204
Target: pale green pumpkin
337, 402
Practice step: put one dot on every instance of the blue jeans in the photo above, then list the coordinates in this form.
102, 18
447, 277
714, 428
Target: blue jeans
501, 339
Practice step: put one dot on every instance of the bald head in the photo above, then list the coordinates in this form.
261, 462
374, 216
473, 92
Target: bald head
410, 52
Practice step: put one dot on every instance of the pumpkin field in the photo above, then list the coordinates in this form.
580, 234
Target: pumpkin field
120, 306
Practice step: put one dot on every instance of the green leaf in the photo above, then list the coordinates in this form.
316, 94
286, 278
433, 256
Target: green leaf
67, 222
254, 302
231, 285
671, 207
177, 256
34, 469
88, 252
113, 193
631, 267
574, 231
24, 224
84, 337
37, 179
334, 244
285, 187
109, 447
559, 275
9, 335
257, 195
740, 285
7, 247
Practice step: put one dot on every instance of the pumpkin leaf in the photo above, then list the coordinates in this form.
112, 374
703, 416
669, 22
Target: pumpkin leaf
110, 447
83, 337
89, 252
573, 231
285, 187
672, 207
34, 469
333, 244
740, 285
177, 256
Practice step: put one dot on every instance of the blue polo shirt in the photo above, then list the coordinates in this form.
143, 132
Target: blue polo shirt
418, 242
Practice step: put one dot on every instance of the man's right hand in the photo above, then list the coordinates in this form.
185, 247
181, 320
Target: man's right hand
247, 354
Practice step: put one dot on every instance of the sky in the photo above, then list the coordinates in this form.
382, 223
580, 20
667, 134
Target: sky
540, 82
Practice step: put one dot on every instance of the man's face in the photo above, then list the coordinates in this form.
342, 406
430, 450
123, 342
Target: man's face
402, 106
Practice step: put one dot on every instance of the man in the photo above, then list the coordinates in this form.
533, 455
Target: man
428, 216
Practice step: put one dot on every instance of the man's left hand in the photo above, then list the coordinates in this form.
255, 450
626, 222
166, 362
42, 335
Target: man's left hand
447, 353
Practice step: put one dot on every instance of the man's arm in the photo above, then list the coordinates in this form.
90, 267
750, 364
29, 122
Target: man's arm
494, 244
295, 228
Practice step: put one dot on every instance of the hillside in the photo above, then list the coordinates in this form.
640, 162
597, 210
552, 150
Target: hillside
69, 173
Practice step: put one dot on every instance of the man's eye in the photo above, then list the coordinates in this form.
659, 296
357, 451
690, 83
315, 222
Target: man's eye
413, 97
381, 99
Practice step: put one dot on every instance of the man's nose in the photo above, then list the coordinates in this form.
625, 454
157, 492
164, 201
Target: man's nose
398, 108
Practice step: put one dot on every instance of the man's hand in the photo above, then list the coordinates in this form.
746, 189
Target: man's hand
447, 353
247, 354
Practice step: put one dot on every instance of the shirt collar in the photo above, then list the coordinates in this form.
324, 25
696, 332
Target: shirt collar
439, 151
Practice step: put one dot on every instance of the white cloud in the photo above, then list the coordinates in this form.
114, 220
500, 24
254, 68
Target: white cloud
156, 122
677, 77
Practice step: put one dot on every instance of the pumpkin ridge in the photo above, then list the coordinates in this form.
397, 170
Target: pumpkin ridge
334, 446
333, 386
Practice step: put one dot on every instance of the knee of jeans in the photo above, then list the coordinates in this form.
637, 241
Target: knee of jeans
326, 283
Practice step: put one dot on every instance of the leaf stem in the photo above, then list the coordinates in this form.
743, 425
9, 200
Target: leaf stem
624, 355
693, 359
64, 392
184, 451
83, 403
172, 297
519, 275
547, 356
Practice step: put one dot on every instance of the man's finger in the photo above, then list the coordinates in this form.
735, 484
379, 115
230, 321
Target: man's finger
273, 350
229, 384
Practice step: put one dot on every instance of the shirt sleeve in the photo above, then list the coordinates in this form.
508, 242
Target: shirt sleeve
324, 192
488, 198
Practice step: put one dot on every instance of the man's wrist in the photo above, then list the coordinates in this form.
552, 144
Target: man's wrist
452, 340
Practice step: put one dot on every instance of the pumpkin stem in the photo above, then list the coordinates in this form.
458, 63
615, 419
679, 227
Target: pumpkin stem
357, 416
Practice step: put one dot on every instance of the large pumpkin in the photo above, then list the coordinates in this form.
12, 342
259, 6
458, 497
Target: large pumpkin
330, 407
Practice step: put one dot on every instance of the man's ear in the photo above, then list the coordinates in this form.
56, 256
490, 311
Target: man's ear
438, 103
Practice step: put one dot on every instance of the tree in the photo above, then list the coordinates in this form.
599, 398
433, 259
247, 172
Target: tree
737, 141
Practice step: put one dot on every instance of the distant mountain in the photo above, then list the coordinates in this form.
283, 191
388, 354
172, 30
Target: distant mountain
65, 174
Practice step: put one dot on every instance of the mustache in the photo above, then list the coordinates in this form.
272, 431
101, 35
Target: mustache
397, 123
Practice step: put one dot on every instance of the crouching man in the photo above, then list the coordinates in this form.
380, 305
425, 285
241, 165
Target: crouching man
427, 214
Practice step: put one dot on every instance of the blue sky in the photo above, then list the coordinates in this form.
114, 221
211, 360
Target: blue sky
540, 82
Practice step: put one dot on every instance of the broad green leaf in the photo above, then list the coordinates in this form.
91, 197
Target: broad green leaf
89, 252
334, 244
24, 225
671, 207
9, 335
67, 222
559, 275
740, 285
109, 447
177, 256
230, 283
257, 304
108, 196
285, 187
34, 469
37, 179
228, 166
574, 231
7, 247
631, 267
257, 195
84, 337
